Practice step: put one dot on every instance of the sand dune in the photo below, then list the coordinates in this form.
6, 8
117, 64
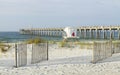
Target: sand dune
63, 61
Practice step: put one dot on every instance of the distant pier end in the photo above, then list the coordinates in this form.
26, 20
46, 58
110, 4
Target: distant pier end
43, 31
83, 32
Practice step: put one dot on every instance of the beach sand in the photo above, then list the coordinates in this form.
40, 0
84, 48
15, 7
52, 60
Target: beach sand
62, 61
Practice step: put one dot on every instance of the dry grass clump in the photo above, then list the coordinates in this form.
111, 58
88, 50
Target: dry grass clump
4, 48
116, 43
35, 41
85, 45
52, 42
66, 43
81, 44
62, 44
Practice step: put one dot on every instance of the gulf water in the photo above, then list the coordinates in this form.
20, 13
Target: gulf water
16, 37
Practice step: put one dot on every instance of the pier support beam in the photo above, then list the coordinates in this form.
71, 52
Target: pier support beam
103, 34
113, 34
90, 34
85, 33
110, 34
118, 30
97, 33
81, 33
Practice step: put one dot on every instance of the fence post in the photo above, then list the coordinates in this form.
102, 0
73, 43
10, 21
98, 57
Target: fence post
32, 61
16, 63
93, 59
111, 47
47, 51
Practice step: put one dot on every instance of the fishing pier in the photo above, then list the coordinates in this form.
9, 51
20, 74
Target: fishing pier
83, 32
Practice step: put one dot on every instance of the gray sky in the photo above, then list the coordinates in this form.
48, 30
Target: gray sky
16, 14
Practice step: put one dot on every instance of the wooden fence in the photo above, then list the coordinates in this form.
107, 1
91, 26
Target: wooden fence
101, 50
21, 54
39, 53
116, 47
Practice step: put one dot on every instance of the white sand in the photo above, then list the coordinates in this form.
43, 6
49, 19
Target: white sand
64, 61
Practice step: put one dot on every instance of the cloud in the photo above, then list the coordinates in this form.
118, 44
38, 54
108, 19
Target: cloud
63, 12
33, 7
58, 7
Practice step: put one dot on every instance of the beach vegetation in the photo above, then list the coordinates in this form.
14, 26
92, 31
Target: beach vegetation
85, 45
62, 44
35, 41
52, 42
4, 47
116, 43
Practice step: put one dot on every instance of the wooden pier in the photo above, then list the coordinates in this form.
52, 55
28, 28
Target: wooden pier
43, 31
84, 32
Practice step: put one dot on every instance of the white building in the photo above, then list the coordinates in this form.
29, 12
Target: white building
70, 32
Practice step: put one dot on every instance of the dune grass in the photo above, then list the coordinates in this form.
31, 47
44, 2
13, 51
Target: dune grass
62, 44
85, 45
35, 41
52, 42
82, 45
4, 47
116, 43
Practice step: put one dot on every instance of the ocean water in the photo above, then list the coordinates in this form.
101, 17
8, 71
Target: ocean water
16, 37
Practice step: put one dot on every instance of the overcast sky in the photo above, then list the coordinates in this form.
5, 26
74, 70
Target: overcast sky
16, 14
